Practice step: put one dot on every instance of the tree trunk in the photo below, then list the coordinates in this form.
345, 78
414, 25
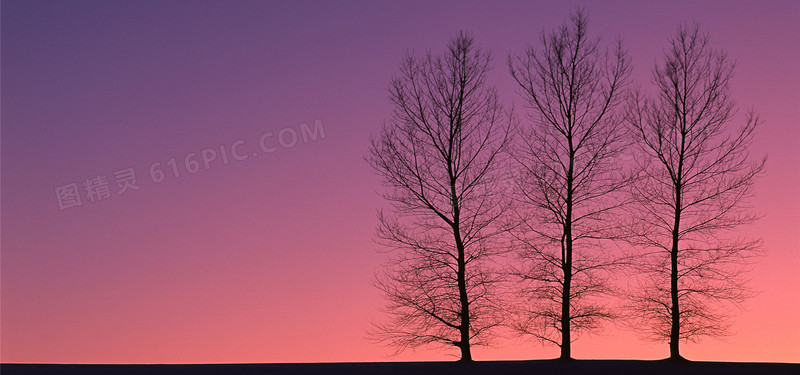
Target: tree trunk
566, 339
461, 272
675, 330
566, 265
466, 355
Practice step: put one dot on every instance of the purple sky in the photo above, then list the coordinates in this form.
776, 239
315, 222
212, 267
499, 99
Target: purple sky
269, 259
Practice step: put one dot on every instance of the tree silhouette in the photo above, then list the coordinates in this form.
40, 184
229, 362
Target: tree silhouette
440, 158
569, 185
696, 178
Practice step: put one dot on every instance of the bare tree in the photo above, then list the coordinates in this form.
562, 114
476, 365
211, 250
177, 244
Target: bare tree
696, 179
441, 157
569, 183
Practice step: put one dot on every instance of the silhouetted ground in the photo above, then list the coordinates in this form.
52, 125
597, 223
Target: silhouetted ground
545, 367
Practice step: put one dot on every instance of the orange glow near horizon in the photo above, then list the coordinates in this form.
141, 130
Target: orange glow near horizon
264, 252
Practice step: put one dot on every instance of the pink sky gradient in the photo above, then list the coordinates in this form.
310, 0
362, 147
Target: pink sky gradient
269, 259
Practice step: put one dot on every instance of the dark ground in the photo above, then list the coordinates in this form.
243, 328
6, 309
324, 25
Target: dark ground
545, 367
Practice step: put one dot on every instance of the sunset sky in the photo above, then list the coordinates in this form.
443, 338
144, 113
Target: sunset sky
269, 258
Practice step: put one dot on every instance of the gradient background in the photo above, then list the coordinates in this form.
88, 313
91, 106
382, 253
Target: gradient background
269, 259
